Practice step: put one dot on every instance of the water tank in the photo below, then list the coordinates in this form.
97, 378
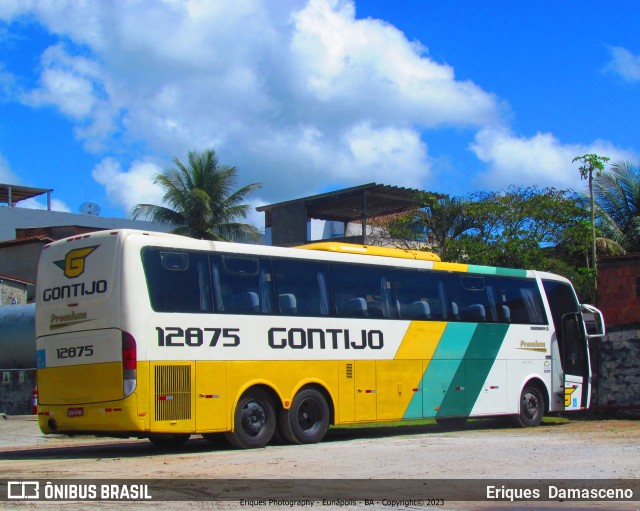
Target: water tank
18, 336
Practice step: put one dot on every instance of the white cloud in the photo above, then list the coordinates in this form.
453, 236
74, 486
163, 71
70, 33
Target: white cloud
6, 174
369, 67
294, 93
35, 203
624, 63
290, 92
7, 82
129, 187
539, 160
377, 154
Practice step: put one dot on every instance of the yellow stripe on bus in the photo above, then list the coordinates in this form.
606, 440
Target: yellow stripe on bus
421, 340
451, 266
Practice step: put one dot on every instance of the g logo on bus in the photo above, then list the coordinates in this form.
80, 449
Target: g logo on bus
73, 263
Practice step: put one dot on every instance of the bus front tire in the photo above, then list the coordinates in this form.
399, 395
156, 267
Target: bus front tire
307, 420
531, 408
169, 440
254, 421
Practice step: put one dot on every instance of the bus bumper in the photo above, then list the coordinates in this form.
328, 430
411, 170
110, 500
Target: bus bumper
115, 418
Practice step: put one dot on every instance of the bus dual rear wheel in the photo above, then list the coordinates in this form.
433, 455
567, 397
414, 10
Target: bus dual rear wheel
254, 420
307, 420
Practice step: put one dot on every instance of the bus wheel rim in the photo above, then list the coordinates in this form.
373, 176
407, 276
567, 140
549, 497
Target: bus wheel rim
530, 404
254, 418
309, 415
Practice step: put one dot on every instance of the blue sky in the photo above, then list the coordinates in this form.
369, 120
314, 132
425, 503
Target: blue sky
305, 96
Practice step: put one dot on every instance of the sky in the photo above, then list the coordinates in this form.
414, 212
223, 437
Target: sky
307, 96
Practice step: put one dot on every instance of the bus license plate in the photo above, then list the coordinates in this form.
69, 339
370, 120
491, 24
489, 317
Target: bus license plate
75, 412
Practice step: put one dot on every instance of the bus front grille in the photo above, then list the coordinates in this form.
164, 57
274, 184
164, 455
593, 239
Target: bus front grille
172, 392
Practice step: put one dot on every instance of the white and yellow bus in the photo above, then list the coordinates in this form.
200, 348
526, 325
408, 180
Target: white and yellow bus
154, 335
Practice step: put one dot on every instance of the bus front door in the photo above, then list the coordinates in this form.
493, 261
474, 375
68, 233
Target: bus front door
574, 355
570, 355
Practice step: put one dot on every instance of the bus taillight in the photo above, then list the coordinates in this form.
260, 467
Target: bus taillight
129, 363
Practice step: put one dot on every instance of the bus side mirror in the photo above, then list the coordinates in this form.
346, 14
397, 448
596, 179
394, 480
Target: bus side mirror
593, 321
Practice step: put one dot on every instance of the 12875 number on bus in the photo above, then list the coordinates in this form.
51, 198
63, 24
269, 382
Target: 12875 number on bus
75, 352
212, 337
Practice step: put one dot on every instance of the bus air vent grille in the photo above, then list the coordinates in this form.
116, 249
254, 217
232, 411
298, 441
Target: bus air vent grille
172, 392
349, 370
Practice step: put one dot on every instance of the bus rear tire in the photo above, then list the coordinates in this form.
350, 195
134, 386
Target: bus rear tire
307, 420
531, 408
254, 420
169, 440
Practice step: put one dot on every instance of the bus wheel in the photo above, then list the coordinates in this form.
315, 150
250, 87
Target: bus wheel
307, 421
531, 408
169, 440
254, 420
451, 423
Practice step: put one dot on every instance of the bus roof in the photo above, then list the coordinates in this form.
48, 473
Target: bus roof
351, 248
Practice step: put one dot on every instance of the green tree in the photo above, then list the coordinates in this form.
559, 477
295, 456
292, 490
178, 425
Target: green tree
438, 219
521, 227
617, 195
446, 219
200, 201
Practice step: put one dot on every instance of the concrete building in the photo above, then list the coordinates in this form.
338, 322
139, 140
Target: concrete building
23, 232
14, 291
15, 218
346, 213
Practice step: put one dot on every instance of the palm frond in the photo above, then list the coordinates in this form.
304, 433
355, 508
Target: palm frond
200, 200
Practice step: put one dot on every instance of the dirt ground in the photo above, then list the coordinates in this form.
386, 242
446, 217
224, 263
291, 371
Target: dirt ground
579, 449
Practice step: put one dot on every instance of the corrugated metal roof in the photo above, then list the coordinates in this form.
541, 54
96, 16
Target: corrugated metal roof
349, 204
18, 193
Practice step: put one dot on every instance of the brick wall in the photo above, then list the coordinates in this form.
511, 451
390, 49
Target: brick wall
619, 289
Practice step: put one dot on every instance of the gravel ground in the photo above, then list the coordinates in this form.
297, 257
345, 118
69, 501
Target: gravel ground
581, 449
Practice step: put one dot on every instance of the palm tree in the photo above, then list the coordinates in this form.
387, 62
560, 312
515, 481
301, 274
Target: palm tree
592, 163
200, 201
617, 195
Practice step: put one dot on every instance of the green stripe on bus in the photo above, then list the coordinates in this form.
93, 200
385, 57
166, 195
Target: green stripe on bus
479, 359
511, 272
487, 270
441, 369
456, 375
492, 270
468, 382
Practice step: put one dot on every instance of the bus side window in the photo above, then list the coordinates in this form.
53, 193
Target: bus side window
419, 294
177, 281
471, 297
362, 291
518, 301
301, 287
242, 285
